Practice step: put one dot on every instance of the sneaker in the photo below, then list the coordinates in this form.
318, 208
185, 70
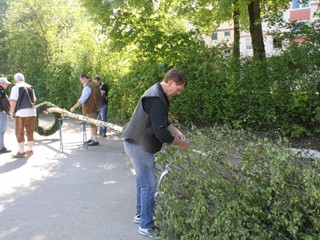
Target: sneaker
93, 143
29, 152
154, 232
146, 231
137, 219
4, 150
19, 155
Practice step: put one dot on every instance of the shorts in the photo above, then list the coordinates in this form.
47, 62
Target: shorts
25, 123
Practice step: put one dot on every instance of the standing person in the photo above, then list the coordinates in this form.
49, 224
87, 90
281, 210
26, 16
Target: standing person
104, 109
23, 111
91, 103
4, 111
144, 135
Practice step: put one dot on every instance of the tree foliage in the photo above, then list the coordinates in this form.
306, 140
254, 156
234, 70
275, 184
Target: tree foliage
235, 186
124, 20
51, 42
246, 15
131, 44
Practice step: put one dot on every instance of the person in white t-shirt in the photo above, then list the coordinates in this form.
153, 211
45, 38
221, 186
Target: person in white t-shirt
23, 111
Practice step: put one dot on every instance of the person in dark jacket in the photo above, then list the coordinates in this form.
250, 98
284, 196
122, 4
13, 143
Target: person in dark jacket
4, 112
104, 109
144, 136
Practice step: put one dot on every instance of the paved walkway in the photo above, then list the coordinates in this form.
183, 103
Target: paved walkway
76, 195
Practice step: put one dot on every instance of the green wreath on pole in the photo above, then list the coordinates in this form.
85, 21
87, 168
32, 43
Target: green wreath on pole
46, 131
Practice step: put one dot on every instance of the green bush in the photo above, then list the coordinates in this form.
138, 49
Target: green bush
276, 95
270, 96
238, 187
280, 94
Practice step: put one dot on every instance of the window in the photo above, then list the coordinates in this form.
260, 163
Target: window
297, 4
226, 35
227, 52
277, 43
214, 36
248, 43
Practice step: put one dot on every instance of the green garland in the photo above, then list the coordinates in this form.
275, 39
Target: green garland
43, 131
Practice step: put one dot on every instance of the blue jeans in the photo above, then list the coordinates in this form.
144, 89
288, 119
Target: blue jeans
103, 117
3, 127
146, 182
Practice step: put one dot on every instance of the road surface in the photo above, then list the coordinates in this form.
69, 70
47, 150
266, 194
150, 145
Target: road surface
75, 195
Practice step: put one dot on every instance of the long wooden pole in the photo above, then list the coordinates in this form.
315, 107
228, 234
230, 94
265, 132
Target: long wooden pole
84, 118
304, 153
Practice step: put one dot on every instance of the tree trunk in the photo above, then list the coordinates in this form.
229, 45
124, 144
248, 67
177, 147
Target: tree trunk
84, 118
236, 37
256, 30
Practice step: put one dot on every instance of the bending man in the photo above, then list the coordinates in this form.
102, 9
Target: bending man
144, 135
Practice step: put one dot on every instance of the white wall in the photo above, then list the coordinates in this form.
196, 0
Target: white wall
268, 39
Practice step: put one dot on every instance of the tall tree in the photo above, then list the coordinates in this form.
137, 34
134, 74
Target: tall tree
236, 24
50, 32
50, 42
3, 51
128, 18
246, 15
256, 30
145, 29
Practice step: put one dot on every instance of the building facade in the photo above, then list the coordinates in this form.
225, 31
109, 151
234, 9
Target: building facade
296, 12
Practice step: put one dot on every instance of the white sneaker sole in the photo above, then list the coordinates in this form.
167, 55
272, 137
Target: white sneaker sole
144, 234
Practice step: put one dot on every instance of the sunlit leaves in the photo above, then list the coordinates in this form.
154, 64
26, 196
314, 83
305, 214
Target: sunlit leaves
235, 186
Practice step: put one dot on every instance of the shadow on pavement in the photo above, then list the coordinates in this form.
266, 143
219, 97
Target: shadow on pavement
15, 164
78, 195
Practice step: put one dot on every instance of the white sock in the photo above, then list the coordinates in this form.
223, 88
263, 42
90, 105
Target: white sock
21, 149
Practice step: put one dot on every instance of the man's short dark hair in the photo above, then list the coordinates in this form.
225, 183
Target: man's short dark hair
83, 75
97, 78
176, 75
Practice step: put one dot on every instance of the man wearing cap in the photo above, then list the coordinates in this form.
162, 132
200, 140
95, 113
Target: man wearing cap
23, 111
4, 111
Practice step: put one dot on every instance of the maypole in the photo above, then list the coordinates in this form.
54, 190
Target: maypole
59, 113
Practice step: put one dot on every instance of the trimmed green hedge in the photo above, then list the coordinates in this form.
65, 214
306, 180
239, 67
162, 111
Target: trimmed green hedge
241, 188
278, 95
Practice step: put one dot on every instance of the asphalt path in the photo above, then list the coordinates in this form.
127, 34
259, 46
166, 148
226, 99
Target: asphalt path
76, 194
